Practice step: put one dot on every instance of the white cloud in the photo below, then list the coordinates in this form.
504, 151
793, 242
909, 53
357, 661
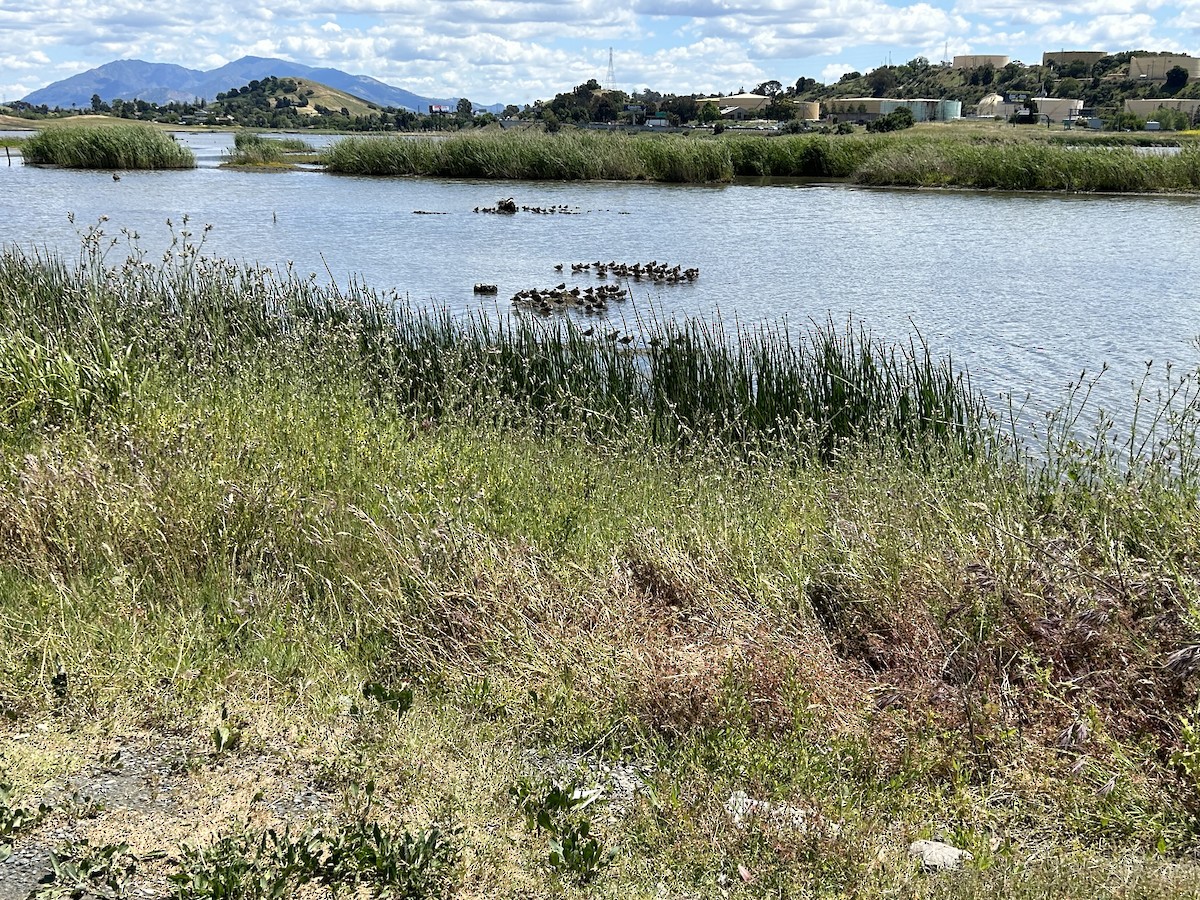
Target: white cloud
520, 50
834, 71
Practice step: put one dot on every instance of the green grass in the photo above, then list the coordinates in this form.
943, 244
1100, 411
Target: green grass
107, 147
922, 158
274, 507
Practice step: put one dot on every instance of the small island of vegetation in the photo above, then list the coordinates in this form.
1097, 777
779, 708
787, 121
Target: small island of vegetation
107, 147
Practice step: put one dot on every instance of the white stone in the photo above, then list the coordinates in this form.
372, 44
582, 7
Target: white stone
936, 856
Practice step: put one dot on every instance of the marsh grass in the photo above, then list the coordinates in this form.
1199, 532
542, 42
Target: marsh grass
107, 147
81, 336
1029, 166
922, 159
574, 155
307, 501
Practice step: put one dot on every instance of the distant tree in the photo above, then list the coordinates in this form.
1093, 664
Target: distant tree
98, 105
881, 81
1171, 119
709, 113
897, 120
769, 88
605, 110
780, 110
850, 76
1070, 87
1125, 121
511, 111
1177, 77
464, 110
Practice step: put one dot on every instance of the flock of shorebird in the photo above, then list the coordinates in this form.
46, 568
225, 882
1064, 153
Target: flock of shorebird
653, 271
561, 298
594, 299
509, 207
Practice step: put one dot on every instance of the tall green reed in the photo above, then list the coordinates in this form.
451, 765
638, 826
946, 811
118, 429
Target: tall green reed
107, 147
570, 156
678, 383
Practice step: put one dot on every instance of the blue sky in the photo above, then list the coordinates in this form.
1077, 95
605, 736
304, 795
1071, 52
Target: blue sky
521, 50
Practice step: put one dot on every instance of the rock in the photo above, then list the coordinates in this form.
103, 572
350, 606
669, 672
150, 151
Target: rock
936, 856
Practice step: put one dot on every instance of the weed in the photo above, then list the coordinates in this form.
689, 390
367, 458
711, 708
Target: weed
556, 808
81, 870
15, 818
269, 865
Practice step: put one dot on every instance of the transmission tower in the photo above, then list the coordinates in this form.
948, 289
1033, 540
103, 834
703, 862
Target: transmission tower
611, 78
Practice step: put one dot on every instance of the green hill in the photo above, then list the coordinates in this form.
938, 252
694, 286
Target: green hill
295, 101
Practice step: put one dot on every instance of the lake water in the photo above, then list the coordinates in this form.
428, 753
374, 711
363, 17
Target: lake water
1026, 291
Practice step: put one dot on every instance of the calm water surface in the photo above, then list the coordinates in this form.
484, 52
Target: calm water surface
1027, 291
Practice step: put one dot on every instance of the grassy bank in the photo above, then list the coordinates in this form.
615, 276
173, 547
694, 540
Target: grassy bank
509, 605
108, 147
924, 158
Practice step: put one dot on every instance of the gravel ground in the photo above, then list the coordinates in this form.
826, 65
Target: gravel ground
153, 796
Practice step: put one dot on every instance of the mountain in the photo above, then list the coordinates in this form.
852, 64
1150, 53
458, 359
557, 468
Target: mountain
133, 79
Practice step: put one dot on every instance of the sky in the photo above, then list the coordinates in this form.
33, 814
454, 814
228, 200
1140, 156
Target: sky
518, 51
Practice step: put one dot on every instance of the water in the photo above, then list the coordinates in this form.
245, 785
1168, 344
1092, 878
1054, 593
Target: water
1026, 291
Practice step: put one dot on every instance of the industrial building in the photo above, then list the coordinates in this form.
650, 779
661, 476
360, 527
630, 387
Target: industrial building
974, 62
1146, 108
739, 107
809, 110
1066, 57
868, 108
1056, 108
1155, 68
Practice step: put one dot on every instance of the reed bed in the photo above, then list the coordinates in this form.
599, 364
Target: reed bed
986, 161
1029, 166
568, 156
109, 147
680, 384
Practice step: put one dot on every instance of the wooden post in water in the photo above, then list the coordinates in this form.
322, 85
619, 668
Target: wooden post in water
8, 154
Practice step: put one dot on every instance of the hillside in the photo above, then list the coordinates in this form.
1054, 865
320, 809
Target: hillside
296, 96
132, 79
1103, 86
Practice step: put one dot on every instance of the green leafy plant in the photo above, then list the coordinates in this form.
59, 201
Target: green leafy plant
399, 699
556, 809
80, 870
15, 818
269, 865
226, 736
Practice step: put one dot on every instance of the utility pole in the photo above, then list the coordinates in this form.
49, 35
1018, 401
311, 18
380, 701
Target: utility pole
610, 79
